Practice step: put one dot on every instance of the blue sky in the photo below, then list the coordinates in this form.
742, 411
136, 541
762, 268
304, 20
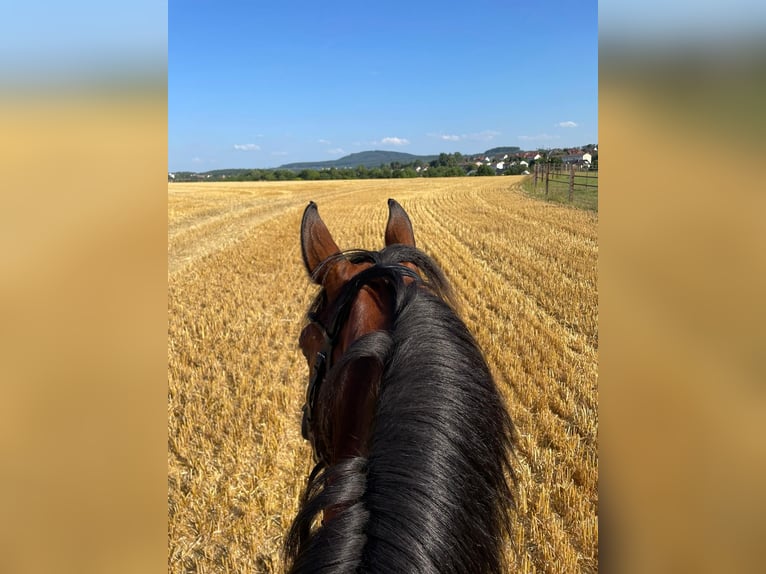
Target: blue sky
260, 84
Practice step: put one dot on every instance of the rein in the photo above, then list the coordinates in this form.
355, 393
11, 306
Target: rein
323, 362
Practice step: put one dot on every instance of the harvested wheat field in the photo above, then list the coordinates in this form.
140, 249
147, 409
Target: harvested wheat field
525, 275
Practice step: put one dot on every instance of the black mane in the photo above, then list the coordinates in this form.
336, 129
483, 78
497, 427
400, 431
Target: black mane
433, 494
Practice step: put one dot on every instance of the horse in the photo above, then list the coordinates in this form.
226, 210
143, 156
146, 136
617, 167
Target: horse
411, 437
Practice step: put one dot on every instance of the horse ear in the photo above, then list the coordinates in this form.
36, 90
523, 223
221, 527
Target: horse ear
317, 245
399, 227
316, 242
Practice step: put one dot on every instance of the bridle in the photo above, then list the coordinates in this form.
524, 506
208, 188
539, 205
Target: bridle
322, 364
323, 361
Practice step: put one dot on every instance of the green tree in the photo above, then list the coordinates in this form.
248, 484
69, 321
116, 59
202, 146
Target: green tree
284, 174
308, 174
485, 170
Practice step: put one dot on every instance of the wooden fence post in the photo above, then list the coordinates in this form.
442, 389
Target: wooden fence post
547, 175
571, 181
537, 165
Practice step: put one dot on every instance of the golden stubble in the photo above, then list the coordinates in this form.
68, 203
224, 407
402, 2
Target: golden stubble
525, 276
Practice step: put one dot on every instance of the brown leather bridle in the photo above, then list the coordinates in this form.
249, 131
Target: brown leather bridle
323, 361
322, 364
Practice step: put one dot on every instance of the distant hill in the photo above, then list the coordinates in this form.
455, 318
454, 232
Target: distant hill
503, 150
365, 158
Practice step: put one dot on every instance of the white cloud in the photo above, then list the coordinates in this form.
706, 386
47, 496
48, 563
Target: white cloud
197, 160
484, 136
326, 142
335, 151
539, 137
394, 141
567, 125
247, 147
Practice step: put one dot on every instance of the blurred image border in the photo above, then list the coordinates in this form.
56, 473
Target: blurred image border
681, 283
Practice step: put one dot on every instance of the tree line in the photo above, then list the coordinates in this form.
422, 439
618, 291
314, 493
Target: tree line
446, 165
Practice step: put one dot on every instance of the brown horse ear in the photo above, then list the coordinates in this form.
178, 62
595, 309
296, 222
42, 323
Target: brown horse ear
316, 246
398, 228
316, 242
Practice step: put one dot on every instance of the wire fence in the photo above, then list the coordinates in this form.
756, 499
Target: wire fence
573, 176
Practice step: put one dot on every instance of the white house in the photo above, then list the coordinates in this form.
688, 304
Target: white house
538, 156
500, 165
587, 157
525, 164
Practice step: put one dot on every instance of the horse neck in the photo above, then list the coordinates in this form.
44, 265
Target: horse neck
436, 474
432, 493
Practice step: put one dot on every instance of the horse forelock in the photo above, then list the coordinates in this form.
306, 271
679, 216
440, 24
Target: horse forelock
385, 263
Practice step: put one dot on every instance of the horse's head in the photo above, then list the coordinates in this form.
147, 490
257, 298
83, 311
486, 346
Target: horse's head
402, 414
337, 416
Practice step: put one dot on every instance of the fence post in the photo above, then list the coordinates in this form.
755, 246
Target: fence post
537, 166
571, 181
547, 175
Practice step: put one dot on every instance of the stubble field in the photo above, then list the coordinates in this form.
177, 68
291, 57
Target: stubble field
525, 275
